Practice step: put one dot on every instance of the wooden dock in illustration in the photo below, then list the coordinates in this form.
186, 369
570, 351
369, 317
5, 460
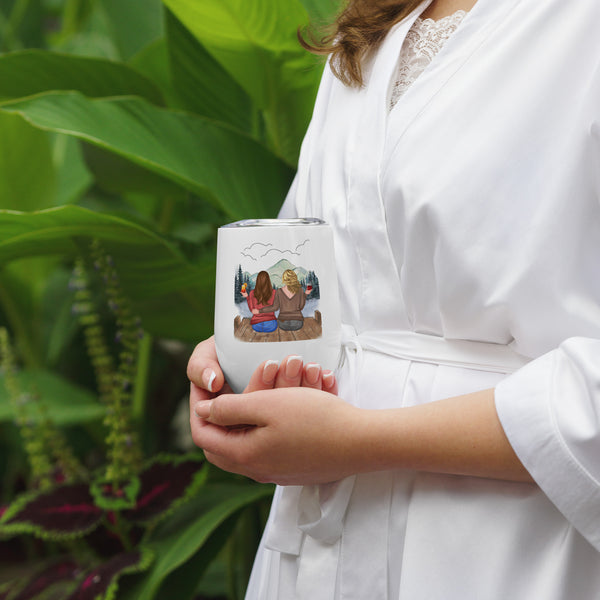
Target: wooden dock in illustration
311, 329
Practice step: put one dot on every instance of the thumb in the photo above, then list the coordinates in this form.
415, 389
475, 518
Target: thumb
230, 410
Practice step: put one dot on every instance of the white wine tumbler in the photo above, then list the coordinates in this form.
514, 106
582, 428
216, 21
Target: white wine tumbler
276, 295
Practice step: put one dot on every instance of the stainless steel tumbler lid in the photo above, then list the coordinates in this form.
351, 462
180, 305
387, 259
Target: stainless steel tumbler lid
275, 222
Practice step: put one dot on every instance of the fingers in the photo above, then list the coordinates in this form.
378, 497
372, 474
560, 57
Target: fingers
329, 382
263, 377
233, 410
312, 377
319, 379
290, 373
293, 373
218, 443
203, 367
218, 437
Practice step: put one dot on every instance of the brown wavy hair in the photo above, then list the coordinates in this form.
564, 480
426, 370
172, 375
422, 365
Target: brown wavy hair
359, 28
263, 290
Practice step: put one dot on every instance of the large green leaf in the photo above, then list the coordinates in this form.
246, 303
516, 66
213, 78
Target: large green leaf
134, 23
33, 71
322, 12
86, 31
73, 177
117, 175
201, 83
178, 539
153, 62
257, 43
172, 296
212, 160
24, 288
66, 403
56, 325
21, 24
27, 176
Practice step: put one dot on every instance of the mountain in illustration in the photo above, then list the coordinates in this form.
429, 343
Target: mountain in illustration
276, 273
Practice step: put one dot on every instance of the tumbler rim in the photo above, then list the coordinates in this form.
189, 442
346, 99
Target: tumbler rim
274, 222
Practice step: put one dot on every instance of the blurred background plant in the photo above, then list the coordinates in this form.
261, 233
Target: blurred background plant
129, 131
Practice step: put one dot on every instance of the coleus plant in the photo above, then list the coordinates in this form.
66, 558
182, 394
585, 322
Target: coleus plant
123, 500
101, 524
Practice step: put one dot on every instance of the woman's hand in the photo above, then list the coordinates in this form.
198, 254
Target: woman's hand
207, 382
207, 379
288, 436
280, 432
204, 371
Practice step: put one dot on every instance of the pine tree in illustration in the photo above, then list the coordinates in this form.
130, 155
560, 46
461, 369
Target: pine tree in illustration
237, 286
313, 280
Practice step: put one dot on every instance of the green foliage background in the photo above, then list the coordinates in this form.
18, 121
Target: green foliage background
144, 125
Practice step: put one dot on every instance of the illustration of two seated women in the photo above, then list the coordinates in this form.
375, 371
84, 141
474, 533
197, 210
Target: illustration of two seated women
264, 302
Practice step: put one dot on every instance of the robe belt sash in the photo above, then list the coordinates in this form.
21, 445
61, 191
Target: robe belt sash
319, 510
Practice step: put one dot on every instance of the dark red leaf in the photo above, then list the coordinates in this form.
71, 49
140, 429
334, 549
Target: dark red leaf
64, 570
163, 483
65, 511
97, 581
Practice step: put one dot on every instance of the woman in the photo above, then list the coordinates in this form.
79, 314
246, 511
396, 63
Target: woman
261, 296
468, 212
289, 301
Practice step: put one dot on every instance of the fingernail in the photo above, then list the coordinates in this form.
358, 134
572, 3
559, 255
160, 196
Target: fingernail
202, 408
208, 378
328, 379
293, 366
312, 373
270, 371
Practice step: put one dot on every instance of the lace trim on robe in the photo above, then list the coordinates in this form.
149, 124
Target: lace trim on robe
423, 41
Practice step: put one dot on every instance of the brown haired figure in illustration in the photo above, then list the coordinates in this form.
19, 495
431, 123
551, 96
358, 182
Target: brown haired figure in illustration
289, 301
261, 296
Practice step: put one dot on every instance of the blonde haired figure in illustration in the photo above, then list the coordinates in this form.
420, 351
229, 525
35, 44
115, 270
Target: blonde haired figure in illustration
289, 301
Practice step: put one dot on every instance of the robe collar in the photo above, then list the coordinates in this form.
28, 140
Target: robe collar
479, 23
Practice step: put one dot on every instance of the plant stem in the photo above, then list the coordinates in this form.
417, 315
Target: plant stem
255, 123
3, 28
119, 531
166, 215
12, 24
28, 353
141, 377
71, 16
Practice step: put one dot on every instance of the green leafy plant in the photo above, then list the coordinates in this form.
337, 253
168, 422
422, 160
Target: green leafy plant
101, 522
129, 132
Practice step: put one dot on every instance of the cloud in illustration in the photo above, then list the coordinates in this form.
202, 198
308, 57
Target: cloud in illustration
256, 250
260, 250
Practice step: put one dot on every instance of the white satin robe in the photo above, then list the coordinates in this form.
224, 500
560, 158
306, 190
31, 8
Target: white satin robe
467, 236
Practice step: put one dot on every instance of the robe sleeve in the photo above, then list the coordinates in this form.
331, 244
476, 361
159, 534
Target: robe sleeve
288, 209
550, 412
